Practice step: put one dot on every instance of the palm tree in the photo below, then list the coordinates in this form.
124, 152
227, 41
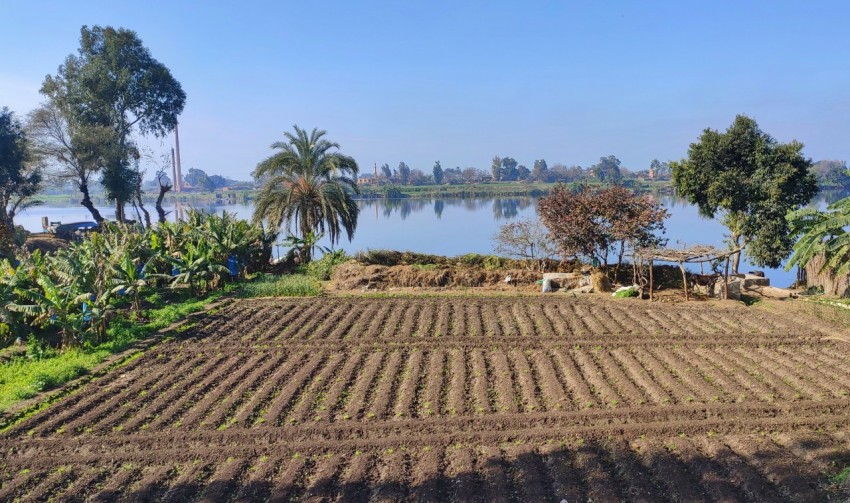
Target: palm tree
309, 186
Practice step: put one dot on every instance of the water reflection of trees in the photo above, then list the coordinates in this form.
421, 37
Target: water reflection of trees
502, 208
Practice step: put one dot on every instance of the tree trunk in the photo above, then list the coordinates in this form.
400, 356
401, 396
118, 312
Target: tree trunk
163, 189
119, 210
88, 204
619, 259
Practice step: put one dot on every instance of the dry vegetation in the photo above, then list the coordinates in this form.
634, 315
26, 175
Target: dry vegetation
464, 399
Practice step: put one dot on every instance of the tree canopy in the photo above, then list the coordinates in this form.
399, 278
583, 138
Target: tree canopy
114, 84
593, 222
308, 185
19, 179
753, 181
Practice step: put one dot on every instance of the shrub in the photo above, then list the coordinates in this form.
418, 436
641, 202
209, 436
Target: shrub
323, 268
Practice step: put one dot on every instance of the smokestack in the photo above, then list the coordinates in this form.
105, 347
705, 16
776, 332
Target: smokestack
178, 182
173, 171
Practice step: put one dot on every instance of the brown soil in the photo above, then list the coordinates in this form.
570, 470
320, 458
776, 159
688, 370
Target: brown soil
452, 398
47, 243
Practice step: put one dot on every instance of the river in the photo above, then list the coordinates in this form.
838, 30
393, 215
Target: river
452, 226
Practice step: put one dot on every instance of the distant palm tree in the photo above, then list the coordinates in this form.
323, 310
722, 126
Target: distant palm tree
308, 185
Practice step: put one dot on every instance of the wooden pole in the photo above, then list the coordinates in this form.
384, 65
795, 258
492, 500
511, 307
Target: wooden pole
726, 280
651, 263
684, 280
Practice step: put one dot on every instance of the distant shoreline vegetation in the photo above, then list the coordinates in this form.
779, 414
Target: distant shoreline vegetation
394, 191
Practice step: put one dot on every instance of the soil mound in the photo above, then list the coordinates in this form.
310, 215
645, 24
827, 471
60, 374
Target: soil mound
355, 276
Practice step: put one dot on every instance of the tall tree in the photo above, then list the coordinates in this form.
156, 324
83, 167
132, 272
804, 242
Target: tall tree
19, 180
438, 173
386, 172
308, 185
403, 173
608, 170
509, 169
496, 168
753, 181
540, 170
74, 152
114, 82
522, 173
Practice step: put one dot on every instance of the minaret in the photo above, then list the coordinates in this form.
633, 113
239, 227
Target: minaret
178, 175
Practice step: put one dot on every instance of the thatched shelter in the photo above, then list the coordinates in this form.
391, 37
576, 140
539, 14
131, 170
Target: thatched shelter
692, 255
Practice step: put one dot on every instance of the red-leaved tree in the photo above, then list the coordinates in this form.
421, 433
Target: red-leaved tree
592, 223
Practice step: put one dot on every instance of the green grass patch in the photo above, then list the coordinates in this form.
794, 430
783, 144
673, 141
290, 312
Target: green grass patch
290, 285
23, 377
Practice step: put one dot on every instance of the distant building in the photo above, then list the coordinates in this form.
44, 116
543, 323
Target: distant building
364, 180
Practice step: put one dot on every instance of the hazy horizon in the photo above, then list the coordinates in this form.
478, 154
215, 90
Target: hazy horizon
391, 82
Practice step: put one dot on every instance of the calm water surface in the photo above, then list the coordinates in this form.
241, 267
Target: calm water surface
451, 226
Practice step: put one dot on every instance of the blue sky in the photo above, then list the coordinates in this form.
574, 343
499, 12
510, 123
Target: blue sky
464, 81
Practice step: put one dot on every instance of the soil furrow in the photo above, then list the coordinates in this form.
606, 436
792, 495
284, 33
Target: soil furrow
697, 386
231, 401
117, 482
679, 485
456, 394
277, 407
762, 374
205, 397
323, 484
740, 375
357, 400
565, 478
392, 477
792, 374
641, 376
795, 480
87, 412
635, 480
460, 472
491, 467
429, 398
311, 393
407, 389
579, 390
354, 483
152, 484
151, 401
265, 392
290, 481
552, 392
711, 476
727, 388
595, 378
328, 406
480, 400
427, 476
188, 391
623, 384
503, 383
380, 403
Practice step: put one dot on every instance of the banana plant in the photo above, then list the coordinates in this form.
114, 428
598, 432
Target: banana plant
52, 305
195, 264
128, 278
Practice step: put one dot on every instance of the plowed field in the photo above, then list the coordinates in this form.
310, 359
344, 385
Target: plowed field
454, 399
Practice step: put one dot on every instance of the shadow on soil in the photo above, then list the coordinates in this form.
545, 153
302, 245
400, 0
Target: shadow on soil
599, 471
